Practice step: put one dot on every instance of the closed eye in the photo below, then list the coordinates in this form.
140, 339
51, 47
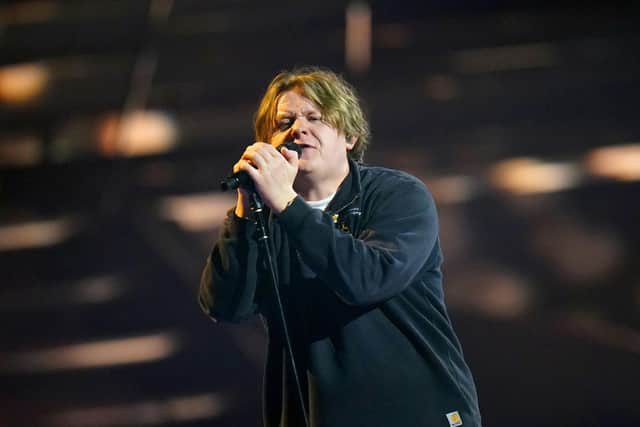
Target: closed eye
283, 124
286, 122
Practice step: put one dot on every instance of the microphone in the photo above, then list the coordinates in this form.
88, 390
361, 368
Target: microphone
243, 180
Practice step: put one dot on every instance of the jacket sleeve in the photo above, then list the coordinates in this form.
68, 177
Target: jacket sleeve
229, 279
384, 258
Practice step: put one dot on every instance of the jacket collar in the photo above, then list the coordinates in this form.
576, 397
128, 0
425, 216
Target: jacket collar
348, 191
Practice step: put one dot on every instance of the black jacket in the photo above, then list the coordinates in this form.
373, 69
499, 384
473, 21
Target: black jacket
362, 289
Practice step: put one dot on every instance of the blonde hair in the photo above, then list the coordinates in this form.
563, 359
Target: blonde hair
336, 98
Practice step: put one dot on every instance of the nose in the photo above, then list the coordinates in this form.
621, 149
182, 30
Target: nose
299, 127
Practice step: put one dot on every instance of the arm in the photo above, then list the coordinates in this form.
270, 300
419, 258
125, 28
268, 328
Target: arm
229, 279
384, 258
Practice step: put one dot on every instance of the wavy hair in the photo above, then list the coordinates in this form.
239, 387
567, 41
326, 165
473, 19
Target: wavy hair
337, 99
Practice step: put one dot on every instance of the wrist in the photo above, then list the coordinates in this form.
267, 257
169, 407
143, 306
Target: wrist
285, 203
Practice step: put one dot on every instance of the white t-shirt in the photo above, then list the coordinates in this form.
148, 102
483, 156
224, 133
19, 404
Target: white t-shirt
321, 204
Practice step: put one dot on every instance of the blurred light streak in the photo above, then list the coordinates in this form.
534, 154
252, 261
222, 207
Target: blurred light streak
358, 36
95, 290
136, 134
453, 189
37, 234
603, 332
159, 10
525, 175
20, 150
22, 83
97, 354
197, 212
169, 411
393, 36
504, 58
490, 290
565, 243
621, 162
441, 87
29, 12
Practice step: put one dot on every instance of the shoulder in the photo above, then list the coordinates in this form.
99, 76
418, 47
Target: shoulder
380, 178
384, 183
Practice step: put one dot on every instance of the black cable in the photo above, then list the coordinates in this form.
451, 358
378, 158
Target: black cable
263, 236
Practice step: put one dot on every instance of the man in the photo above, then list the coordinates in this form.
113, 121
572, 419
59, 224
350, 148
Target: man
358, 263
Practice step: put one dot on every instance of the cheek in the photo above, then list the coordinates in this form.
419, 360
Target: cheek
276, 139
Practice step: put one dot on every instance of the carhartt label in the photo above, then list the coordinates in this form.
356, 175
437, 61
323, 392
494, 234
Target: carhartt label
454, 419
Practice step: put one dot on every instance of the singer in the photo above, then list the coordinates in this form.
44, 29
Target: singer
358, 263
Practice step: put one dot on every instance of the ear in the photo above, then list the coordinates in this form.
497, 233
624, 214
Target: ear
351, 142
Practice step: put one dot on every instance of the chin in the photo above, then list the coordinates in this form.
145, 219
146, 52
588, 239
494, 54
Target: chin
304, 166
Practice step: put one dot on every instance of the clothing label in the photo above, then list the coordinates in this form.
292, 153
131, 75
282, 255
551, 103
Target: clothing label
454, 419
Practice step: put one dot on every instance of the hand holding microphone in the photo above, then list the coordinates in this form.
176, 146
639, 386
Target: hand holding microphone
267, 170
241, 179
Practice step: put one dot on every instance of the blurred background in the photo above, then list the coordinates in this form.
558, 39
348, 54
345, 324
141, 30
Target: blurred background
119, 118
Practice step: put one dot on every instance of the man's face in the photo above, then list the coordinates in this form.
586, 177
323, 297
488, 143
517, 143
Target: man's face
324, 148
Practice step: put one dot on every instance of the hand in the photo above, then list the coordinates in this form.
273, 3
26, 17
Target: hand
273, 174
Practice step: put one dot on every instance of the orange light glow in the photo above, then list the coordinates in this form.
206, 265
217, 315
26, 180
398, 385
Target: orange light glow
491, 290
620, 162
95, 354
530, 176
92, 290
197, 212
358, 37
20, 150
176, 410
37, 233
136, 134
452, 189
20, 84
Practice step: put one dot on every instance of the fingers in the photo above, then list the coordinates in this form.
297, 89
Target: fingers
290, 155
260, 155
244, 165
261, 158
273, 173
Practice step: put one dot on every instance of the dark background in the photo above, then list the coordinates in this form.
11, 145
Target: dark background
498, 106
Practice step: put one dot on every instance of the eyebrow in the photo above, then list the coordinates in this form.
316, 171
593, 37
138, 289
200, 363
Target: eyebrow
291, 113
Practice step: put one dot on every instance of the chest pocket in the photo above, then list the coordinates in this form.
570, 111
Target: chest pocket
348, 221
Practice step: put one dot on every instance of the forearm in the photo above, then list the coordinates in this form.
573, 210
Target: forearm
229, 278
378, 263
